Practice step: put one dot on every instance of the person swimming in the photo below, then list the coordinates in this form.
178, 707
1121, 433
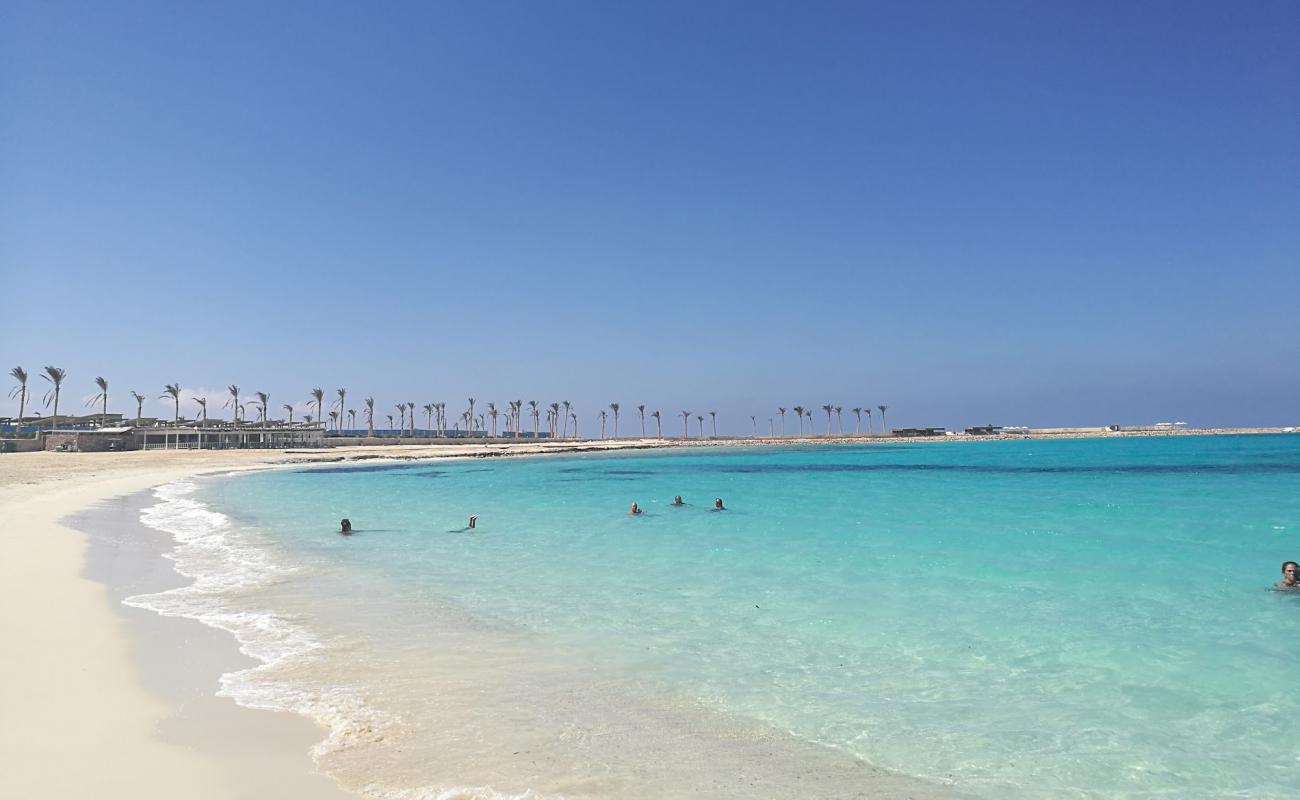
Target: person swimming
677, 501
345, 526
473, 520
718, 506
1290, 577
634, 510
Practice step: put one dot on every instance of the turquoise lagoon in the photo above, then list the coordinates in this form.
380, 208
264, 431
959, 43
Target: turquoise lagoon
1079, 618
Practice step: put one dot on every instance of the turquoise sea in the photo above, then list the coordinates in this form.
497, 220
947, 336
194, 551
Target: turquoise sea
1007, 619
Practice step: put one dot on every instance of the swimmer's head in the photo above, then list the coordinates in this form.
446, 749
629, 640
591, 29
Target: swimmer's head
1290, 571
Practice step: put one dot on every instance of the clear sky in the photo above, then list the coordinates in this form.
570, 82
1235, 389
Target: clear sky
1008, 212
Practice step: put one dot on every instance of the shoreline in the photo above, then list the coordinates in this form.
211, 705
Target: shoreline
75, 686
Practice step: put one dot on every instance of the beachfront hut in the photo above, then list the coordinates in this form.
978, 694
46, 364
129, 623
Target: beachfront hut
225, 437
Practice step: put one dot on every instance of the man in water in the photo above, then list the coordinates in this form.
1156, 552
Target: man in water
718, 506
677, 501
473, 520
345, 526
1290, 578
634, 510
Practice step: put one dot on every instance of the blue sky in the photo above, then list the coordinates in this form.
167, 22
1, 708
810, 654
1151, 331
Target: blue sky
1023, 213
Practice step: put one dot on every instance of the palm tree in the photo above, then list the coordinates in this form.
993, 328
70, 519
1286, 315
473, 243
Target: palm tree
233, 402
828, 408
782, 413
492, 412
352, 419
442, 418
555, 418
103, 395
390, 422
839, 418
700, 419
809, 413
686, 424
203, 407
614, 407
659, 427
401, 417
754, 422
471, 414
318, 395
20, 390
567, 406
55, 376
411, 405
858, 428
334, 417
262, 399
882, 417
714, 416
288, 408
428, 411
798, 412
139, 406
575, 425
602, 424
307, 418
173, 390
868, 410
537, 421
341, 402
370, 417
640, 410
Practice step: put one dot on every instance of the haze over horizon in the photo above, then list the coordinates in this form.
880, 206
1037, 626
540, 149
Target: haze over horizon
1011, 214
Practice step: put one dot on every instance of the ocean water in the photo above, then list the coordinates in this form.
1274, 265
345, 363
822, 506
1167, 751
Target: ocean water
1017, 619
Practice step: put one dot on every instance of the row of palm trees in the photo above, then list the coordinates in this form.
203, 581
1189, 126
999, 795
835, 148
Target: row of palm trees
558, 415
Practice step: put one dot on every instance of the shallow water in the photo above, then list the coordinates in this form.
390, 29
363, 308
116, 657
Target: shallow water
1080, 618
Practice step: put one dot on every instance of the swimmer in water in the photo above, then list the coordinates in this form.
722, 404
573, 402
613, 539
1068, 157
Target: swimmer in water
718, 506
677, 501
345, 526
473, 520
1290, 578
634, 510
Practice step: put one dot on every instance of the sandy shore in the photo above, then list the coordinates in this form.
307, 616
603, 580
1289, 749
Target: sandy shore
79, 718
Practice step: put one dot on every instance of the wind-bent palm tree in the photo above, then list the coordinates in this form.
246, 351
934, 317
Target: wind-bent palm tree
262, 399
203, 409
318, 396
352, 419
139, 406
714, 416
233, 402
492, 412
103, 395
173, 390
839, 418
686, 424
781, 411
428, 412
471, 415
829, 409
798, 412
868, 410
537, 420
700, 419
640, 410
809, 413
858, 427
307, 418
602, 424
334, 417
341, 402
442, 418
288, 408
659, 428
19, 374
567, 408
390, 422
754, 422
555, 418
574, 416
401, 418
614, 407
55, 376
882, 417
771, 427
411, 405
370, 417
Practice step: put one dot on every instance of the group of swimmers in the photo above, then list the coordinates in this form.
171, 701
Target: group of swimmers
345, 524
677, 501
